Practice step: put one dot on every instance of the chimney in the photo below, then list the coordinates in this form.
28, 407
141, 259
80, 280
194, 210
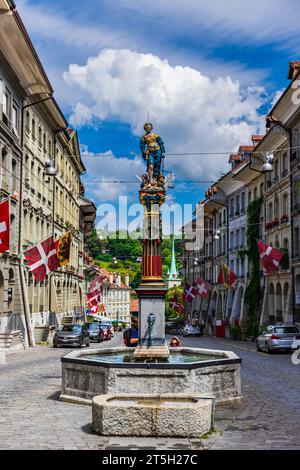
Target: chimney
127, 280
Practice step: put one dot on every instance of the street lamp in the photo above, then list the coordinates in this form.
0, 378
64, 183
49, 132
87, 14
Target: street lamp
50, 169
267, 166
217, 235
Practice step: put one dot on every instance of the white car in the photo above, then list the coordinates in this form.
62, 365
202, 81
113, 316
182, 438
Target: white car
191, 330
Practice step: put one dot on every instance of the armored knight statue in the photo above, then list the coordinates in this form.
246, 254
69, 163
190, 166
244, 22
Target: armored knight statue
153, 150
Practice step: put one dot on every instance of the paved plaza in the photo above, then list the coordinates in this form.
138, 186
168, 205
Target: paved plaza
32, 417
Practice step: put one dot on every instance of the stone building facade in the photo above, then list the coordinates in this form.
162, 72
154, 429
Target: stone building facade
279, 220
116, 296
34, 133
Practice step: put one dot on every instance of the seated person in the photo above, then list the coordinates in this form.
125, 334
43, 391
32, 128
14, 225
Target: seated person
174, 343
131, 336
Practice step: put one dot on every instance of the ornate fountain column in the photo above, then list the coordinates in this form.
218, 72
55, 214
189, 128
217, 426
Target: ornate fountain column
152, 290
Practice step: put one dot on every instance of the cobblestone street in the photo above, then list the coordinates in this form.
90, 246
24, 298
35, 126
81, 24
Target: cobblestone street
32, 417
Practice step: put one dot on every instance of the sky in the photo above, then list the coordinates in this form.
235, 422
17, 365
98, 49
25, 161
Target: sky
206, 73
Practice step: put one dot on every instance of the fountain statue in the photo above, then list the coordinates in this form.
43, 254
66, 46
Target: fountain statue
119, 373
152, 290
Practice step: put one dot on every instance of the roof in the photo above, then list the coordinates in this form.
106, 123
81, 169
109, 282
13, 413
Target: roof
246, 148
234, 157
113, 285
257, 138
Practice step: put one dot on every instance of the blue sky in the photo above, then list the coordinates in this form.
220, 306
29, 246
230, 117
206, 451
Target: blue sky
205, 71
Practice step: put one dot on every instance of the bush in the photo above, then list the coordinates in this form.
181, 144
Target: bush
235, 332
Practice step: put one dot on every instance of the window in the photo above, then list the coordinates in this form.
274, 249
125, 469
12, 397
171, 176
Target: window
276, 208
242, 237
284, 165
14, 174
243, 202
237, 207
285, 208
261, 191
231, 208
40, 136
297, 242
7, 103
237, 238
27, 121
270, 212
15, 119
276, 170
33, 129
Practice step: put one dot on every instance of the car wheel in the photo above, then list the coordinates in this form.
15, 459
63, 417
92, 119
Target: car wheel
267, 348
55, 345
257, 346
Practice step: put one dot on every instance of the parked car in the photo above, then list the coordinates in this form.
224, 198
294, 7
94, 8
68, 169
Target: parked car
106, 331
191, 330
173, 328
277, 337
108, 323
95, 331
72, 335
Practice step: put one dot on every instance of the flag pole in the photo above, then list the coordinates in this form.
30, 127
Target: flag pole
31, 339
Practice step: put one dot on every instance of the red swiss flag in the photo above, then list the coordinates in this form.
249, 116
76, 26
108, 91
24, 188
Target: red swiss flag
270, 257
203, 287
42, 258
190, 292
4, 226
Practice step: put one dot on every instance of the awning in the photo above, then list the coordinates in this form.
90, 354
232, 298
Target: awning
19, 51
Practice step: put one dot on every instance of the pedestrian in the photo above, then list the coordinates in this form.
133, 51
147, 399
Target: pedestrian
174, 343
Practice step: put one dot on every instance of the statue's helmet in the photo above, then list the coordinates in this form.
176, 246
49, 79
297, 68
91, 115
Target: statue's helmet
148, 124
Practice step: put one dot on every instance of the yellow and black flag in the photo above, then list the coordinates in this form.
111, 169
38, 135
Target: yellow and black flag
63, 248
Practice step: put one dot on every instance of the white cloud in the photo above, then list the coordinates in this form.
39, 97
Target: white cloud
103, 170
263, 22
192, 112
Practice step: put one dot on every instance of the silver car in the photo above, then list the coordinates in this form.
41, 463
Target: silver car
277, 337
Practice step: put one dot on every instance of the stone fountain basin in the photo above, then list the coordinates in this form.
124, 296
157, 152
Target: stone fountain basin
83, 378
166, 415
